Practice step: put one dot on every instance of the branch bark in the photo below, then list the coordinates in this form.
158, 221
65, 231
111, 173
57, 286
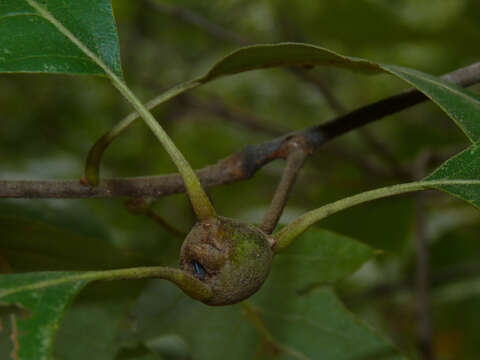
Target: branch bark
238, 166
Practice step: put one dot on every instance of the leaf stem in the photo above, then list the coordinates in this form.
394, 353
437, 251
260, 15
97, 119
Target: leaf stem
293, 165
189, 284
92, 166
200, 201
287, 235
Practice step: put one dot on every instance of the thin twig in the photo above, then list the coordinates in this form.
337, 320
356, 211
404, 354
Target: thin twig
379, 148
295, 159
236, 167
221, 33
234, 115
322, 87
218, 32
341, 153
188, 16
383, 151
422, 279
215, 105
464, 77
422, 268
139, 206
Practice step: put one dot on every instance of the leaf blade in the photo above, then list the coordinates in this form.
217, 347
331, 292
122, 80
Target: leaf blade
256, 57
460, 105
301, 310
320, 323
34, 293
319, 257
463, 108
31, 44
35, 331
220, 332
465, 166
37, 236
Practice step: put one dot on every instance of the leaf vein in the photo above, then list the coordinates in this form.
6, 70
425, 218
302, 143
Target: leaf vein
18, 14
46, 56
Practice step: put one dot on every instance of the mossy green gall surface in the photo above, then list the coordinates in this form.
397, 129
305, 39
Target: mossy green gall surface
230, 256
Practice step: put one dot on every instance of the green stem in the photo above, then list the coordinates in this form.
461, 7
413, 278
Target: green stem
92, 166
200, 201
288, 234
189, 284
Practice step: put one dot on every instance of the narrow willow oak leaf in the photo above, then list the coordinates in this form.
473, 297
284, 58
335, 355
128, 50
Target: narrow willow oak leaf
460, 105
230, 256
29, 43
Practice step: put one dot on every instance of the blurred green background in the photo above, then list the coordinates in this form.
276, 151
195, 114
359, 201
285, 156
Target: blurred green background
50, 122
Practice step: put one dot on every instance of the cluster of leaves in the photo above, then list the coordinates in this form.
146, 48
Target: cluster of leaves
296, 314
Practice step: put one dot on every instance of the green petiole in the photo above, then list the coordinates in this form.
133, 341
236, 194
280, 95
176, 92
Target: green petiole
201, 203
288, 234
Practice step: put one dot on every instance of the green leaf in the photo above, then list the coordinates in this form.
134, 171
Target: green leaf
39, 237
461, 105
463, 166
212, 333
81, 335
302, 311
317, 257
318, 325
311, 323
200, 202
370, 222
29, 43
43, 298
33, 246
266, 56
